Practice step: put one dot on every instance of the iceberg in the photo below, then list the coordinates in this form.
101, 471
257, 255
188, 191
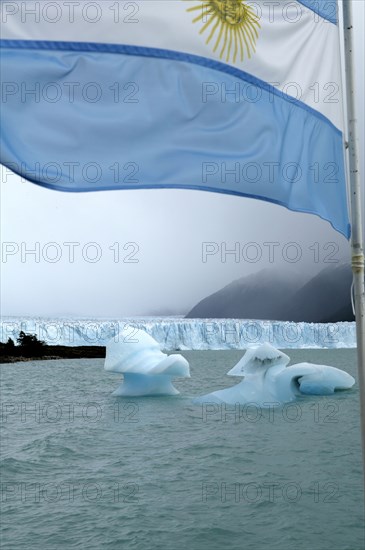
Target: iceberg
145, 368
268, 381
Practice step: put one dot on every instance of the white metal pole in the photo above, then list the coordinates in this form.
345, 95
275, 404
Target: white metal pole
357, 246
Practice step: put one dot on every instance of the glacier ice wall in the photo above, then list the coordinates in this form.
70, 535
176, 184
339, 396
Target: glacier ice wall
185, 334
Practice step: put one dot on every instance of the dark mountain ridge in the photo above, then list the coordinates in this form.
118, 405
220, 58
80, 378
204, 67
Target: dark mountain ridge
276, 296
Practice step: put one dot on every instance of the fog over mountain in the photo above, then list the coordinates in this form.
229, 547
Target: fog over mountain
269, 295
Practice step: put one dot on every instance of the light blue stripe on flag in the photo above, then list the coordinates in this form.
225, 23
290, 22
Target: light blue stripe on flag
327, 9
163, 119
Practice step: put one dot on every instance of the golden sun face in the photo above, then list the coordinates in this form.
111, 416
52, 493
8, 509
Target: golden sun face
232, 24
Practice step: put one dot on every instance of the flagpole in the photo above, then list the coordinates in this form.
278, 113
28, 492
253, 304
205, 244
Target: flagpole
357, 246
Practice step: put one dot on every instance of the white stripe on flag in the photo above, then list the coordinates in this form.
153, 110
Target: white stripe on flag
296, 51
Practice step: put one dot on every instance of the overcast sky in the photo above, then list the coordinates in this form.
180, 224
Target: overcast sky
163, 271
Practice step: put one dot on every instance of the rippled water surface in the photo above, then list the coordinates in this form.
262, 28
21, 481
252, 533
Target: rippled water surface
82, 469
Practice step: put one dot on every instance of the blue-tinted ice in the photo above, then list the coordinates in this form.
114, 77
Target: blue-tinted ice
146, 370
268, 381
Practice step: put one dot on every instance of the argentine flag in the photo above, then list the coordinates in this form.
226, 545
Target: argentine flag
236, 96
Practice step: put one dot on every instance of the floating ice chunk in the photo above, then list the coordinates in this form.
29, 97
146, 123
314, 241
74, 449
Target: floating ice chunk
146, 370
269, 382
261, 358
317, 379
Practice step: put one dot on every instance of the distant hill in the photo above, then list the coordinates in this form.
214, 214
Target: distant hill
273, 296
326, 298
263, 295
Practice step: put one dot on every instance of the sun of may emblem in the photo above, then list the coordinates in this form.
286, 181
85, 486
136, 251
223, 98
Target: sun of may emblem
232, 24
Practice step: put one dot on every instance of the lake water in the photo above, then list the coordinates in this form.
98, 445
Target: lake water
82, 469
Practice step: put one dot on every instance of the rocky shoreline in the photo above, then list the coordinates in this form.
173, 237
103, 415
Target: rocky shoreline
49, 353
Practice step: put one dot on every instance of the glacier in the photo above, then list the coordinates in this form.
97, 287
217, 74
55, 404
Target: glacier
176, 333
268, 381
146, 370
